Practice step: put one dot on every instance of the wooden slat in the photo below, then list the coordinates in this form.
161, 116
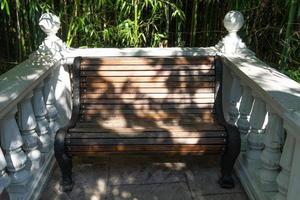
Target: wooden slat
164, 73
115, 100
145, 141
166, 79
146, 90
183, 124
145, 106
147, 148
147, 134
144, 67
147, 111
148, 61
186, 119
189, 80
179, 85
136, 153
194, 118
154, 96
150, 128
141, 102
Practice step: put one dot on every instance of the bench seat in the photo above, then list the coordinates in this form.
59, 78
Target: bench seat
147, 105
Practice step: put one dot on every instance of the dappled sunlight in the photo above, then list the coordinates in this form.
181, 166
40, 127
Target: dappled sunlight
138, 108
137, 177
99, 190
177, 166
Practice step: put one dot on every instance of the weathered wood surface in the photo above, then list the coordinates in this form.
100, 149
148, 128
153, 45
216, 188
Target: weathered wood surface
147, 105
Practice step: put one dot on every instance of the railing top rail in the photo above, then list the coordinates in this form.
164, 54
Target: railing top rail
280, 92
147, 52
18, 82
292, 123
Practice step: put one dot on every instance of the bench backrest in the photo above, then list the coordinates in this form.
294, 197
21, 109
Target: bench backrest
146, 87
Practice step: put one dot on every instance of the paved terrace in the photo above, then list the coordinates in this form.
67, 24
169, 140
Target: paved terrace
144, 178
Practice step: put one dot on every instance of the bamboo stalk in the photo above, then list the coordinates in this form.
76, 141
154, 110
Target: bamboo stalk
194, 22
19, 42
136, 25
285, 51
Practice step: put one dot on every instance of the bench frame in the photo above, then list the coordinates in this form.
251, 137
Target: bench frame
229, 155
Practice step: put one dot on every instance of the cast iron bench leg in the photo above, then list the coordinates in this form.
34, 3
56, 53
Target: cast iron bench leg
64, 160
229, 157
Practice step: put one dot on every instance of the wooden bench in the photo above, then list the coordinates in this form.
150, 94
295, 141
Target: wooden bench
147, 105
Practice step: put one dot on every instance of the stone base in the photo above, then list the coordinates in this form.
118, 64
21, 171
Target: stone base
32, 188
250, 181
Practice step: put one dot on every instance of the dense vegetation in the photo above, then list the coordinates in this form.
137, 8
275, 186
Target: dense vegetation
272, 27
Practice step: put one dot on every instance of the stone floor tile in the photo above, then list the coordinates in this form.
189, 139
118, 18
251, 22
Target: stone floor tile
233, 196
139, 178
204, 181
90, 182
147, 172
164, 191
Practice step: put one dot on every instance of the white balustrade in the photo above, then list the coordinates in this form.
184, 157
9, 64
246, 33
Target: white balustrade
258, 96
244, 110
235, 96
11, 143
4, 178
270, 157
283, 179
256, 134
27, 125
50, 105
40, 113
25, 132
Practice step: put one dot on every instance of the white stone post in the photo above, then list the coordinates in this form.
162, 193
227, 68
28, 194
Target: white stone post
4, 178
286, 160
244, 110
271, 154
256, 134
11, 143
232, 44
40, 112
52, 48
235, 96
50, 105
27, 126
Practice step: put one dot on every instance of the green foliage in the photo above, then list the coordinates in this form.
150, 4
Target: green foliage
272, 28
4, 6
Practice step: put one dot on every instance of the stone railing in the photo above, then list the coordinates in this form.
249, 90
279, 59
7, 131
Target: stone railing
30, 95
265, 105
35, 100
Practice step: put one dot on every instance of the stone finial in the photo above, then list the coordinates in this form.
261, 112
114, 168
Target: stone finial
232, 44
233, 21
52, 48
49, 23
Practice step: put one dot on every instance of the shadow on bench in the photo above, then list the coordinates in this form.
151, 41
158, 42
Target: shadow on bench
147, 105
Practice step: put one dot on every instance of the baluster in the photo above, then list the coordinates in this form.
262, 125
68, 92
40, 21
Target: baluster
283, 179
27, 126
50, 105
40, 112
255, 137
244, 110
235, 96
11, 142
270, 156
4, 178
